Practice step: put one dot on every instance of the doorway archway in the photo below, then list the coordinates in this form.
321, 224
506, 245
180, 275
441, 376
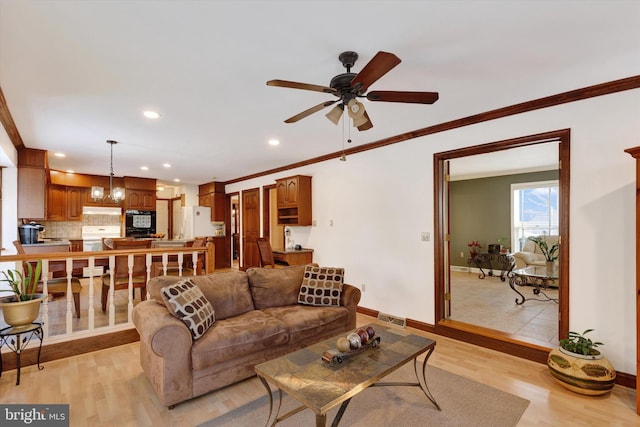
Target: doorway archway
471, 333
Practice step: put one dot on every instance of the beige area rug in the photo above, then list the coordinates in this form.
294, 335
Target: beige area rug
464, 403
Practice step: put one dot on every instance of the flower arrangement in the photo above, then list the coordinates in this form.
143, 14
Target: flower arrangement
474, 248
550, 254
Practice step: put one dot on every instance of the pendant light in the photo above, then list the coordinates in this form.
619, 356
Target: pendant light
116, 194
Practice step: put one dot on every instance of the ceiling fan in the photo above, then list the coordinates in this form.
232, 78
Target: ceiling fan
350, 86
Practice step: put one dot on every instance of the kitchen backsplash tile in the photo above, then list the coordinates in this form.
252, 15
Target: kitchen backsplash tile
73, 229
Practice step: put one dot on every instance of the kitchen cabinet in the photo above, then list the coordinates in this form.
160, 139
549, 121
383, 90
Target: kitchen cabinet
75, 197
56, 203
140, 193
294, 200
144, 200
32, 192
64, 203
213, 195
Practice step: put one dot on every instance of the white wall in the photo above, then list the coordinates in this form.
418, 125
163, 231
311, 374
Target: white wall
381, 200
9, 162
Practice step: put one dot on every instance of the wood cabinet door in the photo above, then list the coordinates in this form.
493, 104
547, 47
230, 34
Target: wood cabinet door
141, 199
75, 196
32, 193
149, 200
292, 191
133, 199
57, 203
281, 193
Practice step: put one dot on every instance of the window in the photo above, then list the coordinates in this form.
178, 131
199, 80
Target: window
534, 211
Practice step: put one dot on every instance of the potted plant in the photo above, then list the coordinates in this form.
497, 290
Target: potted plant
23, 306
580, 367
550, 253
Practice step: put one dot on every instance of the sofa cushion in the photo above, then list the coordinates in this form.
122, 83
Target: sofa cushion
227, 292
530, 257
238, 336
321, 286
186, 302
274, 287
306, 322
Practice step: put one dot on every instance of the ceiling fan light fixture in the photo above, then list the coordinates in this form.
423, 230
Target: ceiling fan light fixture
335, 114
359, 121
355, 109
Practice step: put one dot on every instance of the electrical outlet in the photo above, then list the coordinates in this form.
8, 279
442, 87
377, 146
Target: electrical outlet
363, 287
461, 254
424, 236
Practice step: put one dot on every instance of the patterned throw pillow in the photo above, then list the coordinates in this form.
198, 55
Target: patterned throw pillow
321, 286
185, 301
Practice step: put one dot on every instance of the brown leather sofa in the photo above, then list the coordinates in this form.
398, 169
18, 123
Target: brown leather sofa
257, 318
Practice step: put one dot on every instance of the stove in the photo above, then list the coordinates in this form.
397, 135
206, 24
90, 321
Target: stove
92, 236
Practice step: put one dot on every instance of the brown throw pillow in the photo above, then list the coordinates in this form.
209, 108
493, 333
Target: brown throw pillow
321, 286
186, 302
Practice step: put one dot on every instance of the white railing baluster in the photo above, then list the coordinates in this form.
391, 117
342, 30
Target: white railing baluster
112, 307
130, 287
44, 274
149, 263
90, 306
69, 293
194, 261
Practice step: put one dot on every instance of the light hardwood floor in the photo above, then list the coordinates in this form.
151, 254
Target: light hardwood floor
108, 388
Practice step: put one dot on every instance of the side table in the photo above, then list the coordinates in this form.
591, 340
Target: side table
493, 261
17, 338
538, 277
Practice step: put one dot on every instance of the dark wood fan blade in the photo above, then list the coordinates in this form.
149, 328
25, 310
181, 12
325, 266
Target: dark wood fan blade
304, 86
368, 125
380, 65
409, 97
310, 111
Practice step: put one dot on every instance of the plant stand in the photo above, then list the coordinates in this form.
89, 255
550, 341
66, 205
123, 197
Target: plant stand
17, 338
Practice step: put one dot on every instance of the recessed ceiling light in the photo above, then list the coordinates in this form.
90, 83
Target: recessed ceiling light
151, 114
274, 142
166, 165
60, 155
144, 168
176, 179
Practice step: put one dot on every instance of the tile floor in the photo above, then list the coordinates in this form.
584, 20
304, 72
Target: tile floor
490, 303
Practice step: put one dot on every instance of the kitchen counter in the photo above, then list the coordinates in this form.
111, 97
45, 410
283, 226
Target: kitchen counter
48, 246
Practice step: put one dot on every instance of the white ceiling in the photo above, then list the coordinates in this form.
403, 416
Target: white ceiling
76, 73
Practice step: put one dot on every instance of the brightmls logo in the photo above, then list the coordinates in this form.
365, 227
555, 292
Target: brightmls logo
36, 415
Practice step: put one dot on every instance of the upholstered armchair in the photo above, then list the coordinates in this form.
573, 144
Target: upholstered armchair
531, 253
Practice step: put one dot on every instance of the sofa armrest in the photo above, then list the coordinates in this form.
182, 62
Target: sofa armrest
162, 331
350, 296
165, 352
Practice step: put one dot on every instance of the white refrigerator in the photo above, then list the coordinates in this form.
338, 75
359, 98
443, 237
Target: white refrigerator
196, 221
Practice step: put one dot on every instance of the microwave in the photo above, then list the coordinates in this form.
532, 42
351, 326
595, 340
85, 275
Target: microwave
140, 223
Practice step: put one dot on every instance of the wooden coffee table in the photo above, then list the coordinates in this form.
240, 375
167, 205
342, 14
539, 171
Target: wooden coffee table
320, 386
